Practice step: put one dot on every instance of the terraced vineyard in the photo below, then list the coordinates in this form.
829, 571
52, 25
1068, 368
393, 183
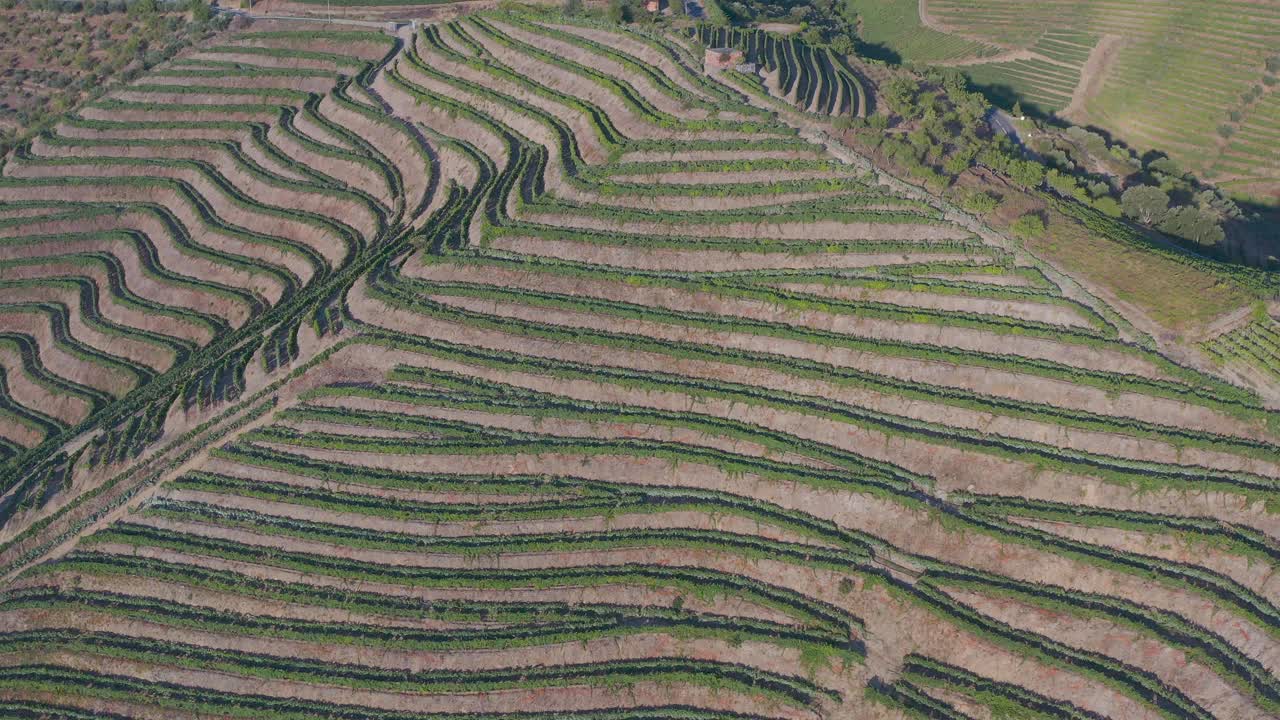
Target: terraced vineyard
516, 368
816, 80
1109, 64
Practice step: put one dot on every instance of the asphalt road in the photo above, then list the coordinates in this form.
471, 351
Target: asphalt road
1002, 122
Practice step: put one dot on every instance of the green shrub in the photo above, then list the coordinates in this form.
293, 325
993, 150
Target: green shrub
1108, 206
1027, 173
979, 203
1028, 226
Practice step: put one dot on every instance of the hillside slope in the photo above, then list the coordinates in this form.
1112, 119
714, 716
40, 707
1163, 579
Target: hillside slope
517, 368
1204, 65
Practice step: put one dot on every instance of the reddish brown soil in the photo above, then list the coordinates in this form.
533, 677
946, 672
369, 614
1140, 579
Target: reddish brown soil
312, 84
324, 242
817, 231
171, 257
672, 70
565, 699
746, 153
1256, 575
110, 308
598, 523
646, 258
19, 433
620, 114
132, 349
392, 141
355, 174
642, 85
368, 50
189, 216
1173, 667
231, 213
1021, 309
571, 428
61, 362
959, 468
28, 393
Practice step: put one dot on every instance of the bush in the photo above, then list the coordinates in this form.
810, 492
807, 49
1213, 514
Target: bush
1062, 183
1027, 173
621, 11
1028, 226
1099, 189
1059, 159
979, 203
1108, 206
1166, 166
200, 10
900, 95
958, 163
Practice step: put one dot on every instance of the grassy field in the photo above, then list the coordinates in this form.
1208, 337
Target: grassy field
896, 26
516, 368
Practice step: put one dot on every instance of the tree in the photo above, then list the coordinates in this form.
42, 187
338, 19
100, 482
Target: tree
1017, 110
1028, 226
900, 95
1192, 224
958, 162
953, 81
994, 158
1145, 204
1027, 173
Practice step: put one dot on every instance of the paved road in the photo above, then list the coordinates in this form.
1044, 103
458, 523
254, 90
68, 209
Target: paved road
1002, 122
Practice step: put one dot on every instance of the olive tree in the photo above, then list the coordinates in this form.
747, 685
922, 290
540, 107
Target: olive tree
1145, 203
